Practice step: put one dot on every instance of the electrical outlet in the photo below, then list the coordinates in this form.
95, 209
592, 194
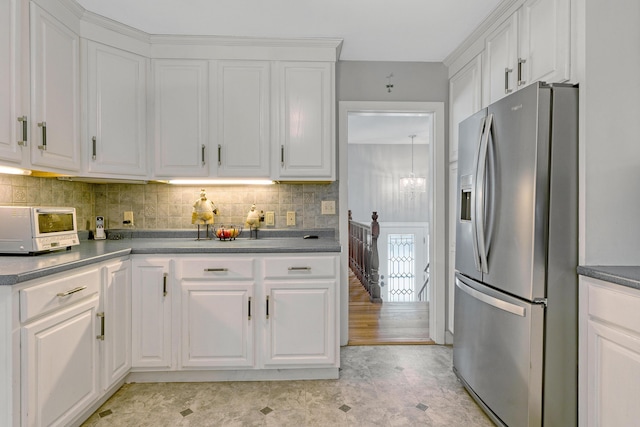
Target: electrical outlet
269, 218
128, 218
328, 207
291, 218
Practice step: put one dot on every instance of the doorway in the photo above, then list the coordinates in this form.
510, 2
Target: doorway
434, 207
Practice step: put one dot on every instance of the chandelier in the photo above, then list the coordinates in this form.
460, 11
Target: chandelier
412, 183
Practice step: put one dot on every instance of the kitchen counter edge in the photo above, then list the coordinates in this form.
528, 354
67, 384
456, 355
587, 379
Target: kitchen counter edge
15, 269
628, 276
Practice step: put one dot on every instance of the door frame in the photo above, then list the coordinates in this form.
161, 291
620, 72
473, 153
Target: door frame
437, 205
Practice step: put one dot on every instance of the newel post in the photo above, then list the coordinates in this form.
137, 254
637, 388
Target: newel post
374, 278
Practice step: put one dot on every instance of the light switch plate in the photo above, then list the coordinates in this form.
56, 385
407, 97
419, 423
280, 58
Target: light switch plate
328, 207
269, 218
291, 218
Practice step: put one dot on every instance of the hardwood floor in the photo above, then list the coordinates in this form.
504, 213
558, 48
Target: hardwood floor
393, 323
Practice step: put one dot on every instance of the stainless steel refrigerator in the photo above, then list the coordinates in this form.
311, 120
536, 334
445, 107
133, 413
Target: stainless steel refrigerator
515, 319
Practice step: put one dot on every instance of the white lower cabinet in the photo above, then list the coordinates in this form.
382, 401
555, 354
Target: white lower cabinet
609, 362
115, 319
59, 351
151, 299
300, 319
235, 312
300, 305
217, 297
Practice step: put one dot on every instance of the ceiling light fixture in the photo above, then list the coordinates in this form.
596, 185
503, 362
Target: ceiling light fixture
413, 184
389, 85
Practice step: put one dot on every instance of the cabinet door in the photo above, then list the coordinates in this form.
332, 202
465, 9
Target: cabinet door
306, 94
181, 131
116, 111
217, 324
242, 101
59, 365
465, 93
609, 354
500, 60
151, 314
544, 42
300, 323
55, 123
14, 21
116, 309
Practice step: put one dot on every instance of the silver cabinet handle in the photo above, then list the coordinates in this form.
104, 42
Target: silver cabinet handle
299, 268
520, 62
164, 284
202, 154
93, 142
101, 336
219, 154
43, 125
23, 120
282, 155
71, 291
216, 269
507, 71
267, 306
249, 308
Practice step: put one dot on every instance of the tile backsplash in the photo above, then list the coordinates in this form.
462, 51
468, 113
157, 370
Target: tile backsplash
163, 206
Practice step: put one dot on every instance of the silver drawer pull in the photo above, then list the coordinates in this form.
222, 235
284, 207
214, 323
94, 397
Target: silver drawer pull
299, 268
101, 336
71, 291
216, 269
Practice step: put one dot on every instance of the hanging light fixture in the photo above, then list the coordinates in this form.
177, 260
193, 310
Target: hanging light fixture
412, 183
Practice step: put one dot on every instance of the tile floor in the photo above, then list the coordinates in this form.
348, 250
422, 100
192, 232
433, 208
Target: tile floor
378, 386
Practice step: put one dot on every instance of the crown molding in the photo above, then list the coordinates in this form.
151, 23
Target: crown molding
506, 6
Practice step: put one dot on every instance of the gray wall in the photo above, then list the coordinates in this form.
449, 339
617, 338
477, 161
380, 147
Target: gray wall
412, 81
610, 130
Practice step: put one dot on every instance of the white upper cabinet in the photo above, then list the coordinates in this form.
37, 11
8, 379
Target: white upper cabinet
55, 85
500, 58
545, 41
181, 119
241, 102
465, 93
14, 49
305, 147
115, 138
531, 45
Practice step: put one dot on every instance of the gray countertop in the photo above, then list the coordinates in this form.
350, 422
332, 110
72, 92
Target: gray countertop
20, 268
624, 275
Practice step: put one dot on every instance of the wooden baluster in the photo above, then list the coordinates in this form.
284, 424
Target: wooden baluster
374, 278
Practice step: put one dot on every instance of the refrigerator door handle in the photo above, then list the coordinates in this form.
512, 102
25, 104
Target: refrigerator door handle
481, 169
492, 301
474, 227
491, 193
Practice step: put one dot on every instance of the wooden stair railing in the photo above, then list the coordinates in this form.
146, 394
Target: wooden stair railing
363, 254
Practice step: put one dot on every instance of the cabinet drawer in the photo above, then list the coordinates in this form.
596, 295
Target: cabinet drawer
57, 293
615, 304
300, 267
218, 268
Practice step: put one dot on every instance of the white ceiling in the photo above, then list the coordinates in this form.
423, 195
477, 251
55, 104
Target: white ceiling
372, 30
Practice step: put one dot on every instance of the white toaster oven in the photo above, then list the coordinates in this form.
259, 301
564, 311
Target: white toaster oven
30, 230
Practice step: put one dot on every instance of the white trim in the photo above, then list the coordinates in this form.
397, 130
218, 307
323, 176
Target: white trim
437, 223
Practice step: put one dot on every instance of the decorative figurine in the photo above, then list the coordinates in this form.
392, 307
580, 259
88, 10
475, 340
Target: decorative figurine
203, 211
253, 221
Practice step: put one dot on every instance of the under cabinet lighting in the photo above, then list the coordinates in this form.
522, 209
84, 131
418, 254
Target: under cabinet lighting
14, 171
220, 181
